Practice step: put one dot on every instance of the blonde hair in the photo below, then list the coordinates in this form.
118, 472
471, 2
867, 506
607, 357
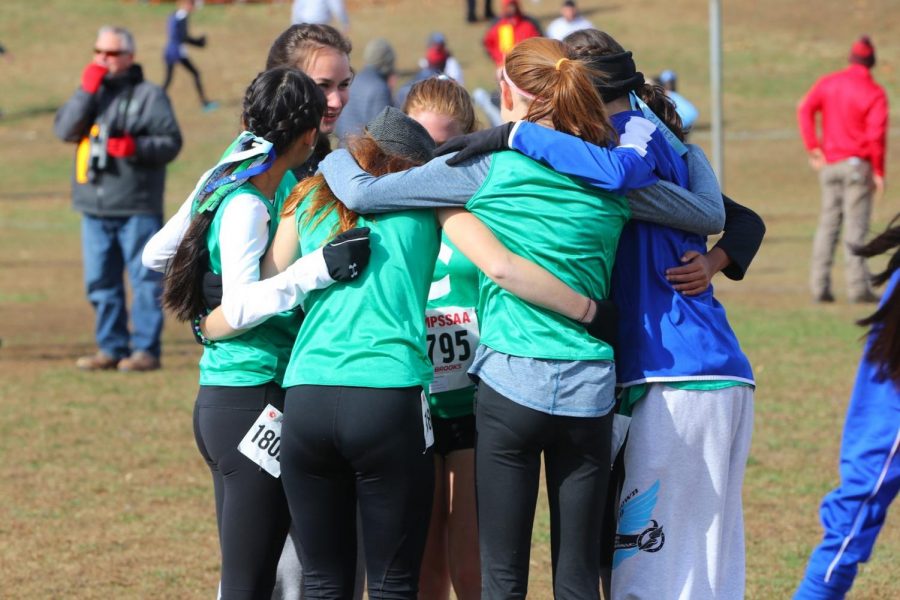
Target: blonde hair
444, 96
563, 89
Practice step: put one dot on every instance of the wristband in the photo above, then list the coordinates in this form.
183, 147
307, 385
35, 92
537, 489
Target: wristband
198, 332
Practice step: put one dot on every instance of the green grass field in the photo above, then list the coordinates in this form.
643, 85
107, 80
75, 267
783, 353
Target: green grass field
103, 493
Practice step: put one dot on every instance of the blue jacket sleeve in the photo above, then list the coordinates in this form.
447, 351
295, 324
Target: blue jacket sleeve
618, 170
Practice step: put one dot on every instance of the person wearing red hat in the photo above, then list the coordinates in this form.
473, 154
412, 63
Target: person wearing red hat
849, 156
512, 27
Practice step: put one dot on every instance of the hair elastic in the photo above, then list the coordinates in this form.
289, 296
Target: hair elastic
514, 87
559, 62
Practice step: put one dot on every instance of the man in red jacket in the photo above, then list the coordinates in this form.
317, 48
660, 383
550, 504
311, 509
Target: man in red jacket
509, 30
850, 161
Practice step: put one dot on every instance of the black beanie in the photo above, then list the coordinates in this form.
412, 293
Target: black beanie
621, 73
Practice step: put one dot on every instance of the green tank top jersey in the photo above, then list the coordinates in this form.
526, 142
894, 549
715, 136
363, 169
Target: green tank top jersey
369, 332
567, 227
454, 291
259, 355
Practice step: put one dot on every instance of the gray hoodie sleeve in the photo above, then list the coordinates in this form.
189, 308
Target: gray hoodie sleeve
433, 185
699, 210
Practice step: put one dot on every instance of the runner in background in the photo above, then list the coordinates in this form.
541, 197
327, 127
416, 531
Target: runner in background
176, 53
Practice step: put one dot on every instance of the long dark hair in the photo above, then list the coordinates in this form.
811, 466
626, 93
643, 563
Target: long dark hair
280, 105
884, 323
590, 45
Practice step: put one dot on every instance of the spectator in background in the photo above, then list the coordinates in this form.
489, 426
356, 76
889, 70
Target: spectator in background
685, 109
569, 22
175, 51
452, 69
371, 89
437, 61
850, 161
125, 133
488, 11
320, 12
511, 28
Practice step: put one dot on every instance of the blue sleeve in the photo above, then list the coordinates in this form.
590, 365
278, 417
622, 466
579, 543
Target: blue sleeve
617, 170
433, 185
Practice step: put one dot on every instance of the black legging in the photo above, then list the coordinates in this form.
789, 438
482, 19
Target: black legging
343, 444
251, 508
508, 451
187, 64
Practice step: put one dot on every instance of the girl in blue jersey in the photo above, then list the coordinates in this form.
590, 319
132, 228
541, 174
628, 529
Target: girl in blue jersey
680, 358
176, 53
853, 514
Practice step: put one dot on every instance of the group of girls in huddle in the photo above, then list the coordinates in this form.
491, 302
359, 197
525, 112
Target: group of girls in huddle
498, 264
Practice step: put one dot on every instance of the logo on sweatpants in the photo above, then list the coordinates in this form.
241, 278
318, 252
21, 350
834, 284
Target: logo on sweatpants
637, 532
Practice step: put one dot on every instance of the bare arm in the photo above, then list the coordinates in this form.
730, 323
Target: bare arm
510, 271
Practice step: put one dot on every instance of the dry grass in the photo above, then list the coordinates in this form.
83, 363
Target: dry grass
103, 493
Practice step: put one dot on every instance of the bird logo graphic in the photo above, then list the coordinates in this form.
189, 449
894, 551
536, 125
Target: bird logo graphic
637, 531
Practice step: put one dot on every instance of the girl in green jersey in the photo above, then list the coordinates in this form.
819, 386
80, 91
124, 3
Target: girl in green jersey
232, 218
445, 109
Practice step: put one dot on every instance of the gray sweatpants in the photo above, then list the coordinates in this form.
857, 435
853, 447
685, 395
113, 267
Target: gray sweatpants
847, 192
680, 528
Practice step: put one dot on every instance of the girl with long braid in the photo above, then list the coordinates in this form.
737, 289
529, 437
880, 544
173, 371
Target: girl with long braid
231, 218
546, 386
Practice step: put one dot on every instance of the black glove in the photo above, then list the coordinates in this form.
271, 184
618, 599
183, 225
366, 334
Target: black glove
347, 254
212, 289
605, 324
473, 144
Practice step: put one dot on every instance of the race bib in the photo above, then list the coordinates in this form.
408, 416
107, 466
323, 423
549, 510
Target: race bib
426, 423
452, 339
262, 444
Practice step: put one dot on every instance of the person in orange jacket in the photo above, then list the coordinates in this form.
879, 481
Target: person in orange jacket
507, 31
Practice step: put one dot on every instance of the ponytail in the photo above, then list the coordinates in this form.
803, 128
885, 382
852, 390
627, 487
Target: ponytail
183, 284
662, 106
884, 323
563, 90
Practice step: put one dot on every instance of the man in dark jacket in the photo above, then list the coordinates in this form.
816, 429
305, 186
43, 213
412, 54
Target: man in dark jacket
125, 133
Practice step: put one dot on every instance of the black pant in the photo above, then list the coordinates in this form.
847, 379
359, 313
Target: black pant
251, 508
508, 451
187, 64
488, 10
341, 445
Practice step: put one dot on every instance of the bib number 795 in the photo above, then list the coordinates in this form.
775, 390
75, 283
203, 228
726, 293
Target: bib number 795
453, 346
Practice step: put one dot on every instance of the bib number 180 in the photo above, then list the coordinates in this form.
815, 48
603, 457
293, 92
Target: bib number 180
262, 442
